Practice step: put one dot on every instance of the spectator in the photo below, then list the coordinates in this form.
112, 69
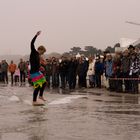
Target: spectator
125, 68
55, 73
117, 72
48, 69
12, 68
22, 68
99, 68
16, 75
109, 71
131, 49
4, 69
134, 72
82, 69
63, 68
72, 66
91, 72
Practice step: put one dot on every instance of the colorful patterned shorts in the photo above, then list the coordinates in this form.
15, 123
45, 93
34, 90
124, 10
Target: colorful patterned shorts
38, 79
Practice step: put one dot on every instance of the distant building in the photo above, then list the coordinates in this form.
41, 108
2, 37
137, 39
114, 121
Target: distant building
125, 42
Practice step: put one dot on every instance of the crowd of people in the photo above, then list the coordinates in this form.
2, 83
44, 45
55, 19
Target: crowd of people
18, 72
118, 72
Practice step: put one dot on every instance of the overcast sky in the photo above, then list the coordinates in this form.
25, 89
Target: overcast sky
66, 23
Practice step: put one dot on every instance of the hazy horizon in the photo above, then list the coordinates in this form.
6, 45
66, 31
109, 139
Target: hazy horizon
66, 23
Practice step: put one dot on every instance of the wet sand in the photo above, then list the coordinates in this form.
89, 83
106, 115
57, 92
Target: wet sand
86, 114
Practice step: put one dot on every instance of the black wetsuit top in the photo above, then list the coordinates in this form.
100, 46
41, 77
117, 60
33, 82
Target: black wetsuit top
34, 57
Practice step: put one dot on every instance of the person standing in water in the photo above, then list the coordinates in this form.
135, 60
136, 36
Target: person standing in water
38, 79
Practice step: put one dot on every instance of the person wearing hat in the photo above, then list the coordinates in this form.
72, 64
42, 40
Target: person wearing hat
137, 50
38, 79
99, 68
131, 49
134, 71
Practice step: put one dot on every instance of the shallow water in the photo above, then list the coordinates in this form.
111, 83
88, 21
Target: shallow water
80, 115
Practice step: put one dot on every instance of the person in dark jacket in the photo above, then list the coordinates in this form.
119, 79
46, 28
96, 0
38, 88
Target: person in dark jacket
131, 49
99, 68
22, 67
48, 70
63, 69
117, 72
72, 66
55, 72
4, 70
79, 73
37, 77
125, 68
82, 69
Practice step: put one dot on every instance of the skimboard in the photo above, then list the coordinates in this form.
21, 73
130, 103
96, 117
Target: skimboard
39, 104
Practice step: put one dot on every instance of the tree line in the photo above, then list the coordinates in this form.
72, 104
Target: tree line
90, 50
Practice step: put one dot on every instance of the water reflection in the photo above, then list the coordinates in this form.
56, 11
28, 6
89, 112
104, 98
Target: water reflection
36, 137
92, 117
59, 91
120, 99
130, 99
124, 112
38, 121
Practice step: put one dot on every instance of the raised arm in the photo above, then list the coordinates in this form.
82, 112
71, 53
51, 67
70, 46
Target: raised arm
33, 41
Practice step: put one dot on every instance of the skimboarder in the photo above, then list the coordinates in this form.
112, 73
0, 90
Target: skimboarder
37, 77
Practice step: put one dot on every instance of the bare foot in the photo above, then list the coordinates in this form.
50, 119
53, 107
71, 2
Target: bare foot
37, 103
42, 98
